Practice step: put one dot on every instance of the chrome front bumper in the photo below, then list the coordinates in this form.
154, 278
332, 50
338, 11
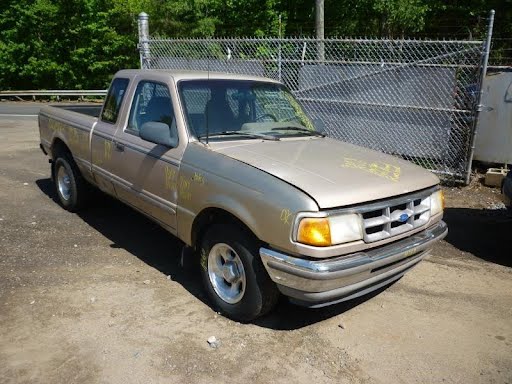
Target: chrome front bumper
316, 283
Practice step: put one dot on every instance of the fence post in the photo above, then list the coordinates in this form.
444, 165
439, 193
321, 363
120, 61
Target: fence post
478, 106
279, 55
143, 23
319, 26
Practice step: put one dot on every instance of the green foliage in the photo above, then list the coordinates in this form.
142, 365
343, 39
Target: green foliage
384, 18
398, 16
81, 43
65, 43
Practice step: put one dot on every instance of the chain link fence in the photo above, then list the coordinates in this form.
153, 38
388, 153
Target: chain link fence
416, 99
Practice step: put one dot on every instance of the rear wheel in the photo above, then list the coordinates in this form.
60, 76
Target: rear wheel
70, 186
233, 275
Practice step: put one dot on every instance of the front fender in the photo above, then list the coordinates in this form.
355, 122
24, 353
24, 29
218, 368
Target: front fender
264, 203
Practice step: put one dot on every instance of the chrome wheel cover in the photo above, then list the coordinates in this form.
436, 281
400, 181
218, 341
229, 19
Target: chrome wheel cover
226, 273
64, 183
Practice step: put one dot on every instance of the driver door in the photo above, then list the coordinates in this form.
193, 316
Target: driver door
148, 172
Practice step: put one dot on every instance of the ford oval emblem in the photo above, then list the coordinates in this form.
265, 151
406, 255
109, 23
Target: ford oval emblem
403, 217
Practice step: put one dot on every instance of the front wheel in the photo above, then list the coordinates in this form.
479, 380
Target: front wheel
71, 187
233, 275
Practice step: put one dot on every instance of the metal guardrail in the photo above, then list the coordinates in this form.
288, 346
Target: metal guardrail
54, 92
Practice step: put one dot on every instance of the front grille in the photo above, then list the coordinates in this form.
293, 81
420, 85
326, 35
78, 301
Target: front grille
396, 218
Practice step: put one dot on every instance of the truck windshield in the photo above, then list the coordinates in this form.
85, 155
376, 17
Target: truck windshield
255, 109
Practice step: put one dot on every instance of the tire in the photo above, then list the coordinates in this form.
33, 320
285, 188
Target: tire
234, 276
70, 186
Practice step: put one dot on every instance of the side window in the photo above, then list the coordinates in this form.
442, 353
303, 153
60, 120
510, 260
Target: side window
114, 99
151, 102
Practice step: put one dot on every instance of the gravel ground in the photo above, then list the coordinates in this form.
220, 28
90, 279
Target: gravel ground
100, 297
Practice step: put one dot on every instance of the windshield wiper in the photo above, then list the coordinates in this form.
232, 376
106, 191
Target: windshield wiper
298, 129
241, 133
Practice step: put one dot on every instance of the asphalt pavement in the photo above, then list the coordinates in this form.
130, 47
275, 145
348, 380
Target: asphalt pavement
100, 297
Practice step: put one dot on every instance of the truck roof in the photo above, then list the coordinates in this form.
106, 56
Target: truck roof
190, 75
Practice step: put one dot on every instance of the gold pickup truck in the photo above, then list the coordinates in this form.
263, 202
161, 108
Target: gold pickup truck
265, 203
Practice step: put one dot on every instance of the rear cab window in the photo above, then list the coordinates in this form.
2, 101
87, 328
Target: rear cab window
114, 100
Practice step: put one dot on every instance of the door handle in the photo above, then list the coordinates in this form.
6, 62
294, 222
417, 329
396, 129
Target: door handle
118, 147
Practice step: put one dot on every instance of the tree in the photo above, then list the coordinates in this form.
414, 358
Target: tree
64, 43
398, 17
81, 43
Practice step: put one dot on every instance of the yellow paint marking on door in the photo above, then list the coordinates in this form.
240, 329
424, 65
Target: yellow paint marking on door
107, 154
170, 178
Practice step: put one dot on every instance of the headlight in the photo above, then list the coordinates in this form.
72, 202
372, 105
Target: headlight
437, 203
326, 231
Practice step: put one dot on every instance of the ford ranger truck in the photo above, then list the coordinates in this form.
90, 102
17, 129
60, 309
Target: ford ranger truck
233, 166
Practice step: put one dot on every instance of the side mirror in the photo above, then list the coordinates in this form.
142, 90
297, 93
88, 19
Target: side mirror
159, 133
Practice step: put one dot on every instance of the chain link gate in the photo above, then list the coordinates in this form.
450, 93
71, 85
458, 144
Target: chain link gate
417, 99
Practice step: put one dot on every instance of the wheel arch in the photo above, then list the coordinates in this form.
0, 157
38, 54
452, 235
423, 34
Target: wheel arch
59, 146
215, 215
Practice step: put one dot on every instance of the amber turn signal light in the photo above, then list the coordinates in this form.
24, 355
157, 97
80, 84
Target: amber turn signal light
314, 231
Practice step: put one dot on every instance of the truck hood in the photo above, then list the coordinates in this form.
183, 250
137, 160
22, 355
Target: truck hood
333, 173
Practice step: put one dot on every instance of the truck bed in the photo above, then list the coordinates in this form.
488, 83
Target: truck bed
93, 110
72, 125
